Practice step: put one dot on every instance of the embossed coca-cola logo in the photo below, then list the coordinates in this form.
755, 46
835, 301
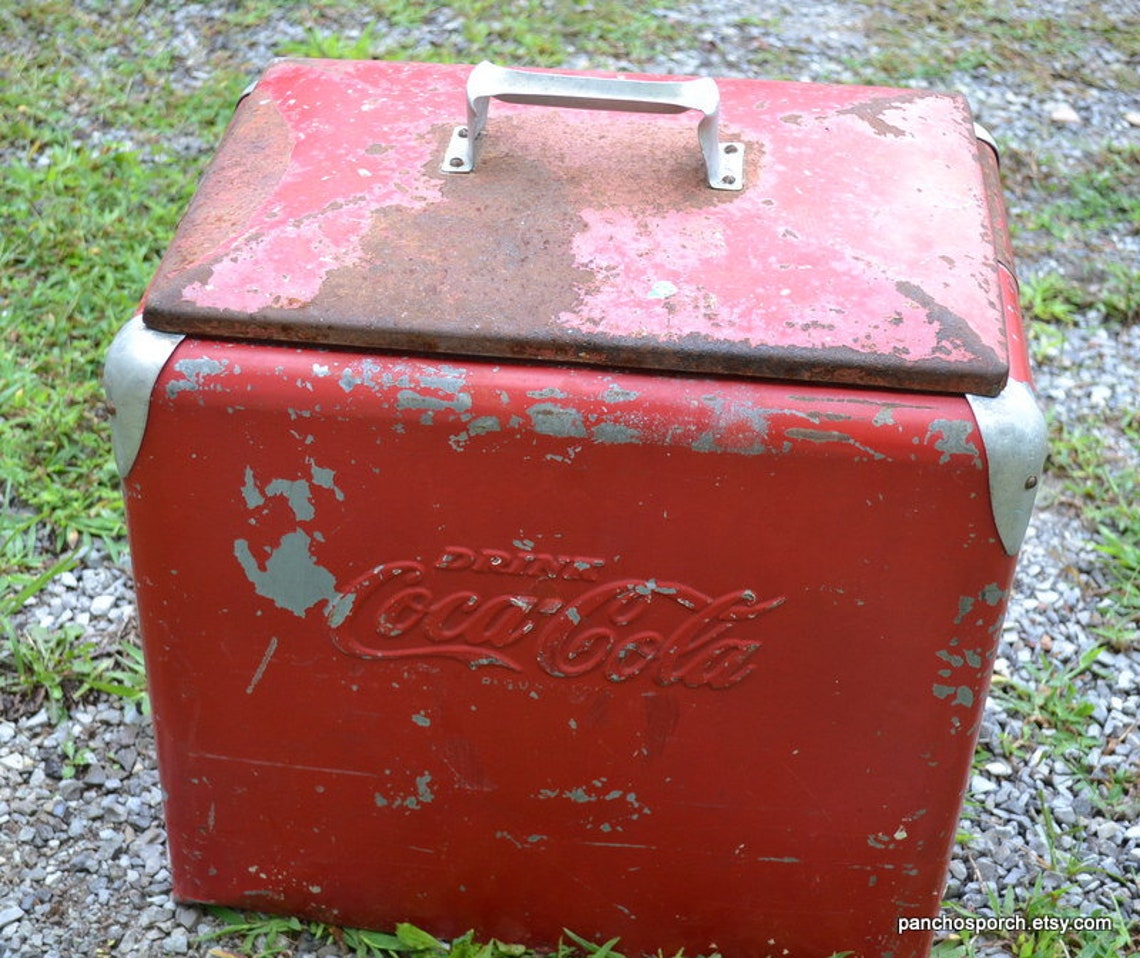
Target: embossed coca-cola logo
624, 628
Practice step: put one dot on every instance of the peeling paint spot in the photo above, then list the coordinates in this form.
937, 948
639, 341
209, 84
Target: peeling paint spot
340, 608
992, 594
551, 392
296, 492
291, 577
965, 604
650, 586
613, 434
829, 435
451, 379
250, 492
195, 371
530, 839
963, 694
955, 439
410, 399
423, 796
614, 393
480, 426
421, 720
325, 478
349, 380
662, 289
705, 442
549, 419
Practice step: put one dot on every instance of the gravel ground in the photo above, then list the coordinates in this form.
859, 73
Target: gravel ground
83, 863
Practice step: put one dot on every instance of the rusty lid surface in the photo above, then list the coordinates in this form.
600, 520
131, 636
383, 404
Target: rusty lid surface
860, 250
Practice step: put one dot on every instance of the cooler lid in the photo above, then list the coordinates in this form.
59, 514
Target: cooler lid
860, 248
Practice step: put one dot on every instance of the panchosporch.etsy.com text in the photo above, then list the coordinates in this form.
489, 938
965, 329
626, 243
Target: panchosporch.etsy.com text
984, 924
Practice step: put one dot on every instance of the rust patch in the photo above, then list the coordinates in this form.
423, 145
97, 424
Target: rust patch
839, 365
954, 334
490, 268
871, 112
235, 185
995, 203
493, 261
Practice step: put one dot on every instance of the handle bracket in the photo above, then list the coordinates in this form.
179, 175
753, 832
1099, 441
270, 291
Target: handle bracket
724, 162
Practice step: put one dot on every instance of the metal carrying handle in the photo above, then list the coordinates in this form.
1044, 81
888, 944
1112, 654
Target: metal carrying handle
724, 162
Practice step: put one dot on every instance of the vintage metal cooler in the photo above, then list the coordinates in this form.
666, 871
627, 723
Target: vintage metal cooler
576, 519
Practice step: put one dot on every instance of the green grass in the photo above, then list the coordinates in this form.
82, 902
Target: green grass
934, 40
55, 668
1053, 708
269, 936
524, 33
1105, 194
89, 195
1079, 211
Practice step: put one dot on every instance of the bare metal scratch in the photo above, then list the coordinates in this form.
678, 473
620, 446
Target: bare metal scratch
270, 649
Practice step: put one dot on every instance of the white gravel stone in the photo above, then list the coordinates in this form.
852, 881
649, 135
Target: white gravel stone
102, 604
1064, 114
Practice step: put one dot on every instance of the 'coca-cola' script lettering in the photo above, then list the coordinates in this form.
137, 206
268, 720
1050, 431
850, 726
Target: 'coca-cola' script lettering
625, 629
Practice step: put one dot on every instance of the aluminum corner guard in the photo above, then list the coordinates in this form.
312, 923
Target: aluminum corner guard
1013, 432
134, 360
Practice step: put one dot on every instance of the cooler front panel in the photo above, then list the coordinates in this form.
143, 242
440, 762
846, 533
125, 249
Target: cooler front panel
691, 661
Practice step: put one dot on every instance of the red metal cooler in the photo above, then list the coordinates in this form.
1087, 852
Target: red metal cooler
573, 519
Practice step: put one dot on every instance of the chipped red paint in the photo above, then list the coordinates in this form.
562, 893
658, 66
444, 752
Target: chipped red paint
861, 250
